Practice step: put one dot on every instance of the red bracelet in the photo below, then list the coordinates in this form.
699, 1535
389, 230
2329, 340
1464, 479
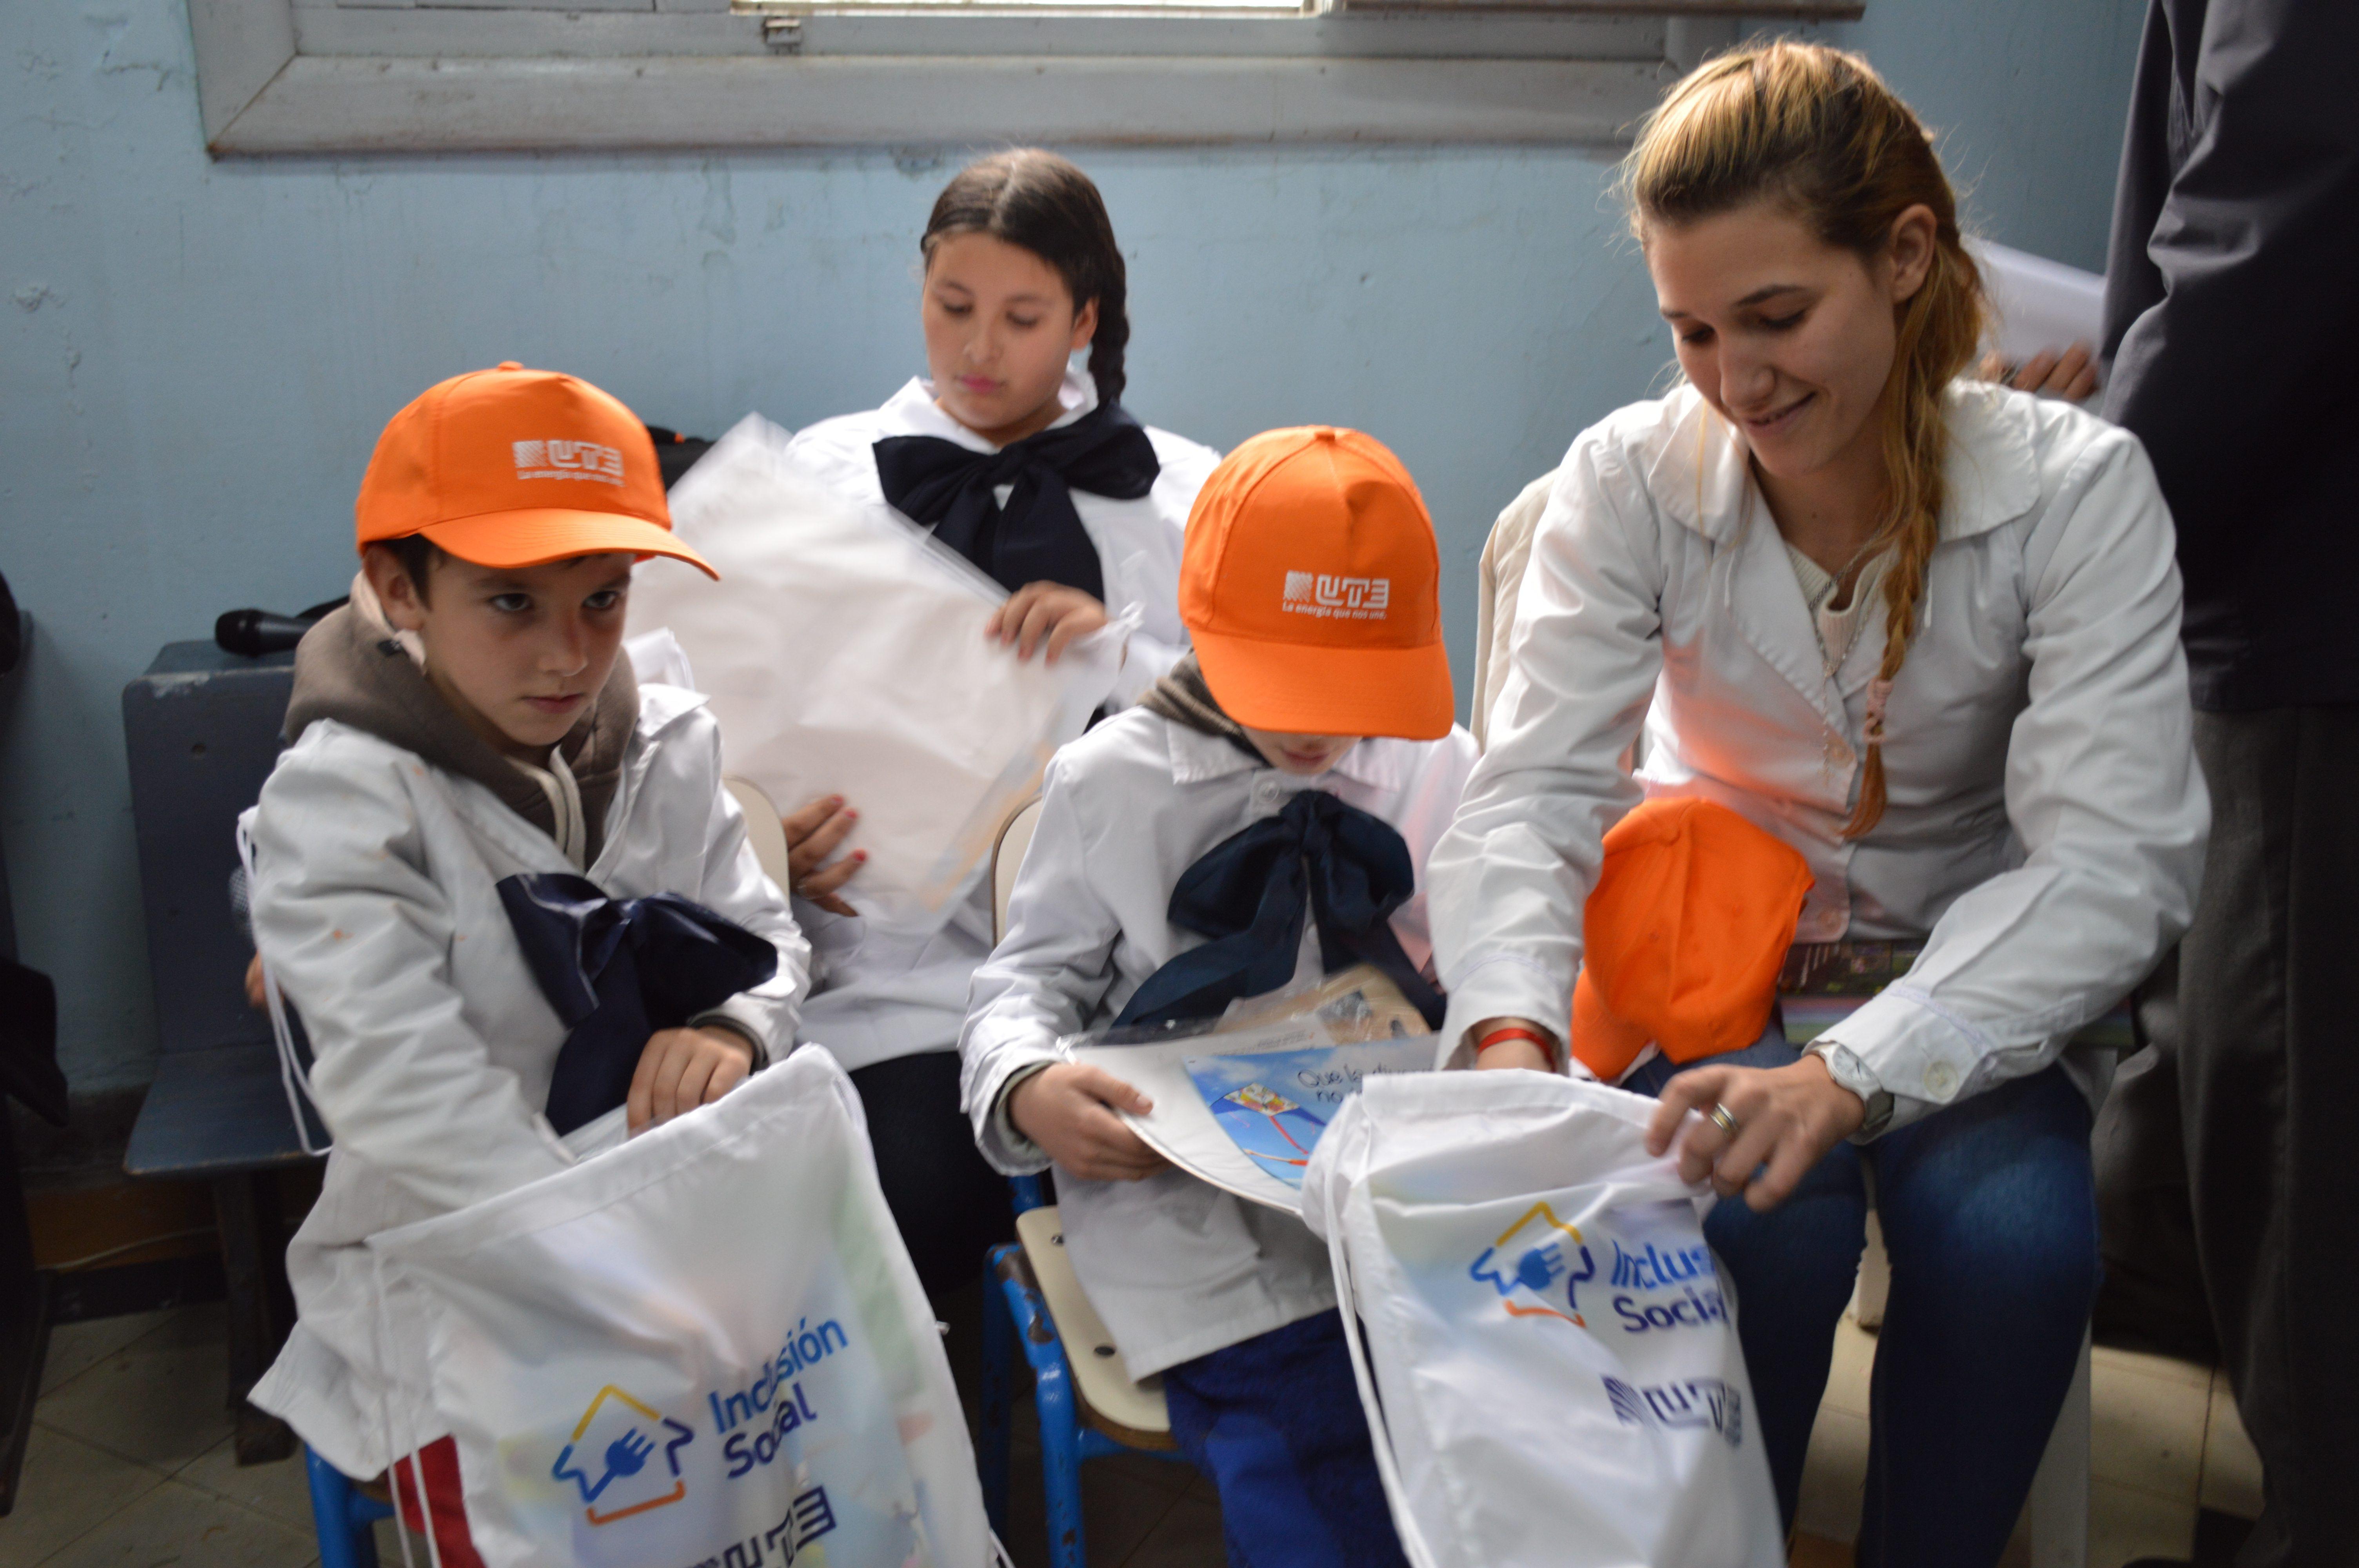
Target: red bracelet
1516, 1032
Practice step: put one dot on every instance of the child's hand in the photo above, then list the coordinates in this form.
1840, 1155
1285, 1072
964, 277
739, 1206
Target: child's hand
1069, 1110
684, 1068
812, 835
1045, 614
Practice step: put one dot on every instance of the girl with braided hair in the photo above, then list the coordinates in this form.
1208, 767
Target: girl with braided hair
1923, 630
1034, 470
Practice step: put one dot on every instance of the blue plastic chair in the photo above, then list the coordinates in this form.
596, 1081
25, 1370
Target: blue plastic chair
345, 1517
1015, 1316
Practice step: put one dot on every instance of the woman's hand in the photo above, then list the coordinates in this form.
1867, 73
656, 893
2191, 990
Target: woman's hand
1786, 1118
2070, 374
1045, 614
1513, 1053
812, 835
1070, 1111
684, 1068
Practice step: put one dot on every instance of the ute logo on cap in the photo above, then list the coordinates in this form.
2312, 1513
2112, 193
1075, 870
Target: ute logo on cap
1332, 598
568, 459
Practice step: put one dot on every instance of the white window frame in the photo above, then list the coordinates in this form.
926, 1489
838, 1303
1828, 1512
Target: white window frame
346, 77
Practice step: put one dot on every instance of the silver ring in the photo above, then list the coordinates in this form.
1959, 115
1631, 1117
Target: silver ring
1718, 1116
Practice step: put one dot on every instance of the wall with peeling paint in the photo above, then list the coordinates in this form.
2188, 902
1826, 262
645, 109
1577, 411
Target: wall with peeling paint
195, 358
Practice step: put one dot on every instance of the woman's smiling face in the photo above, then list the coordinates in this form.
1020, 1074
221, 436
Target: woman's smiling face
1789, 338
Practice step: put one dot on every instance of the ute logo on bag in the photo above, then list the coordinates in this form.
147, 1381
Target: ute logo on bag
629, 1434
1697, 1403
1539, 1267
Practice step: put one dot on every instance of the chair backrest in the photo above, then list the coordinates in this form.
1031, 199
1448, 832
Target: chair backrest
763, 829
1007, 858
1501, 573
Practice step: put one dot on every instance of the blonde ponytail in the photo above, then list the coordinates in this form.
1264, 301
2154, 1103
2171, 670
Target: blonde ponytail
1816, 130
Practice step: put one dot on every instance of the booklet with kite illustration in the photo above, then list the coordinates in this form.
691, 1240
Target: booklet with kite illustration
1241, 1102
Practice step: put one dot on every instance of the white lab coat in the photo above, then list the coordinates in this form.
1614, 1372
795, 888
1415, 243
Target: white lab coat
878, 996
375, 906
1175, 1267
2047, 821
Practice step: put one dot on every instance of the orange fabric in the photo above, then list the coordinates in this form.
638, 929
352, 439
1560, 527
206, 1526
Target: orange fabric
513, 467
1683, 935
1310, 585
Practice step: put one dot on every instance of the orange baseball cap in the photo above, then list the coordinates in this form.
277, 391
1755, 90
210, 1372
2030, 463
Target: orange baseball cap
1310, 586
513, 467
1683, 935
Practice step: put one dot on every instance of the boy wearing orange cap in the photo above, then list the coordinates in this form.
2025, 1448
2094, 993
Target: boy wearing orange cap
462, 732
1263, 815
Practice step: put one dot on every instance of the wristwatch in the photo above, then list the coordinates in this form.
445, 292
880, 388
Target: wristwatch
1844, 1067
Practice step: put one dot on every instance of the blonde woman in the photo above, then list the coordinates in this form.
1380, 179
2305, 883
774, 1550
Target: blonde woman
1924, 630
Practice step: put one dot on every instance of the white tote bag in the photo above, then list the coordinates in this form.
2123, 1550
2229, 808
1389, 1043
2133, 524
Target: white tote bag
1556, 1377
706, 1348
843, 652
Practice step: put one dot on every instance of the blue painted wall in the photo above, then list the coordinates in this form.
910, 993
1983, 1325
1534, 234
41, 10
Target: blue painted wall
195, 358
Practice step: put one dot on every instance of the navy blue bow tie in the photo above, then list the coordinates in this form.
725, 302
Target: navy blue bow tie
1037, 537
1318, 858
616, 970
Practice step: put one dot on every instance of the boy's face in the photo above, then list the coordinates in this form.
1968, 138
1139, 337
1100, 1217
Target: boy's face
520, 652
1307, 755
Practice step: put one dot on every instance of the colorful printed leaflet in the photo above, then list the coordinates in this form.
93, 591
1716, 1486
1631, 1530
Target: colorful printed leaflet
1273, 1105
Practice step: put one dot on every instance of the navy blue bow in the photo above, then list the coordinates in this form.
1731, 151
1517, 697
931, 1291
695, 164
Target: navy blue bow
618, 969
1250, 892
1037, 537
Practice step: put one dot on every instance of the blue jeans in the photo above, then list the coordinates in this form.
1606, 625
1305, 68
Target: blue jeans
1275, 1421
1990, 1219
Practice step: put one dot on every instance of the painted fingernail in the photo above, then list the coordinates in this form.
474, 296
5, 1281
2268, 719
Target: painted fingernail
860, 854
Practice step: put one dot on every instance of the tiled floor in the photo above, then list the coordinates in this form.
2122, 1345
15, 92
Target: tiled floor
130, 1464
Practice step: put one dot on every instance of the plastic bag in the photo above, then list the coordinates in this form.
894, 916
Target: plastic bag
707, 1346
843, 653
1549, 1366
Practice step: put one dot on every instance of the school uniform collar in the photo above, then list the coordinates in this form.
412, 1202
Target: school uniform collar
1197, 758
915, 409
1702, 476
1700, 472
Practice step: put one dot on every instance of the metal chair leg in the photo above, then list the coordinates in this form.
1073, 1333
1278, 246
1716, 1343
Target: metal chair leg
1052, 1397
342, 1516
998, 1375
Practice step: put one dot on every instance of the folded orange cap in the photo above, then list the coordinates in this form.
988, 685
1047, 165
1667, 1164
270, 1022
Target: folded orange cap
1683, 936
1309, 585
513, 467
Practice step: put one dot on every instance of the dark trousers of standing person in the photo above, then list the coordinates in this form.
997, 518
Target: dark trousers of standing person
2269, 1079
951, 1206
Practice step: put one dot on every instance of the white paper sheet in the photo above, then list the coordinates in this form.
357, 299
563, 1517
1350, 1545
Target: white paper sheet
843, 652
2040, 304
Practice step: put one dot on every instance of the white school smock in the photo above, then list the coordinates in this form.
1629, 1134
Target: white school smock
878, 996
2045, 825
1176, 1267
376, 907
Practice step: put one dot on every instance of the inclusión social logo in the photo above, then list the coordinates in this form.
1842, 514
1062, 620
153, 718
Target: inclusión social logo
607, 1459
1530, 1260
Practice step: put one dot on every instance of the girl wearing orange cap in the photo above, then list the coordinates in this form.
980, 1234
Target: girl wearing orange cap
1266, 812
1037, 473
1923, 630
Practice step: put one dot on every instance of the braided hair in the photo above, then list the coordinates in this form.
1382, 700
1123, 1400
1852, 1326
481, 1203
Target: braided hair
1817, 131
1044, 204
